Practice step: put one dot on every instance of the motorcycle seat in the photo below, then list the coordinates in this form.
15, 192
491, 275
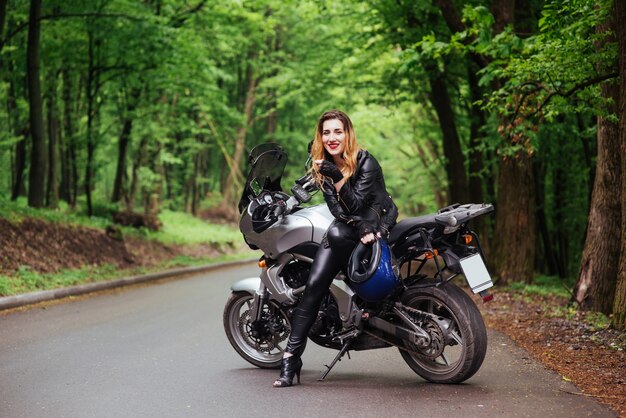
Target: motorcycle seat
408, 224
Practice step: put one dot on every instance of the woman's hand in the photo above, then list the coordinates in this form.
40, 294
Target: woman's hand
328, 169
367, 232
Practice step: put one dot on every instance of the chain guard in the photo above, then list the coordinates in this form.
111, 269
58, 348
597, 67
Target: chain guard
437, 340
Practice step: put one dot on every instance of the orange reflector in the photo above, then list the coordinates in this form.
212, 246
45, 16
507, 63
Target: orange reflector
432, 255
262, 263
468, 238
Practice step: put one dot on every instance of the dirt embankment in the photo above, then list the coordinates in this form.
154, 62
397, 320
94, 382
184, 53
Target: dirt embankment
48, 247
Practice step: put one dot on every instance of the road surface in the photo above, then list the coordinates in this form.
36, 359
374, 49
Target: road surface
160, 351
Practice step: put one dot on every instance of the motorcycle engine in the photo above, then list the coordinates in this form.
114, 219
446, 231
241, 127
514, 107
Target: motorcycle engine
296, 273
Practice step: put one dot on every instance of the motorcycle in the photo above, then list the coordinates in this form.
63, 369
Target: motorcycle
436, 325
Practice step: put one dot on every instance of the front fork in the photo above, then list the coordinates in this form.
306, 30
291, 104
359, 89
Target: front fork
260, 298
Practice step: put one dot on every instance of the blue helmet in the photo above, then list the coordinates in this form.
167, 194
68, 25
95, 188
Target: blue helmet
371, 271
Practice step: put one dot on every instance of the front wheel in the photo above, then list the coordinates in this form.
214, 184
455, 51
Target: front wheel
464, 337
258, 342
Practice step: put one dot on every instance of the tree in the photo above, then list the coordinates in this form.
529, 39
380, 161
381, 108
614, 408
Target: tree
36, 178
595, 288
52, 189
556, 73
619, 305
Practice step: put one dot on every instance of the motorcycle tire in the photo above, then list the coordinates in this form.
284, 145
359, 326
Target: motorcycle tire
465, 336
258, 345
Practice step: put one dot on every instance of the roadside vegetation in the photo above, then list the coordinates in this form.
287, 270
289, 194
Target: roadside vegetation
556, 297
182, 240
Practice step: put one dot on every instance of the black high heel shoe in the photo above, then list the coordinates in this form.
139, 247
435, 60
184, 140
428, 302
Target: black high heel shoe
289, 367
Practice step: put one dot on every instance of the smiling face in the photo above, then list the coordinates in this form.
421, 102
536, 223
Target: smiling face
334, 138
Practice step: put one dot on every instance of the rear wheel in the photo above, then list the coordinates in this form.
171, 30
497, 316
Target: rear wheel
258, 342
459, 345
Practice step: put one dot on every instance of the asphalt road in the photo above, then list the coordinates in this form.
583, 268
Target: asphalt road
160, 351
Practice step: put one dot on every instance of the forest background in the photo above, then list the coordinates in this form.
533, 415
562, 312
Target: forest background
122, 105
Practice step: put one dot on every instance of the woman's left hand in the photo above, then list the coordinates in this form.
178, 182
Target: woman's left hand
328, 169
367, 232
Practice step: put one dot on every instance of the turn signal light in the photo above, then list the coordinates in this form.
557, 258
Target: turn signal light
262, 263
468, 238
432, 254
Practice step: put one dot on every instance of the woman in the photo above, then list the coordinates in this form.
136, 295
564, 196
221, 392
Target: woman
354, 190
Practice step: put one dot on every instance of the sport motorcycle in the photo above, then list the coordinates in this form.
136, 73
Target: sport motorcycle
435, 324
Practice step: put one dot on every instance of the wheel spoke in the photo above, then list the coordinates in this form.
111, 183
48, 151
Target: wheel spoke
444, 357
430, 307
456, 337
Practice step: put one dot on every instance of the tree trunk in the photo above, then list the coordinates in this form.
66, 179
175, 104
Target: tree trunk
52, 193
68, 143
272, 118
3, 16
477, 174
194, 184
17, 186
36, 179
154, 190
619, 305
20, 165
477, 121
595, 288
515, 219
91, 88
515, 210
504, 14
122, 146
539, 173
124, 141
230, 190
455, 163
134, 183
588, 154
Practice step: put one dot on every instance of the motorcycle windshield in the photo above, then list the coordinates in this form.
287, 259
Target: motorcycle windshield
267, 164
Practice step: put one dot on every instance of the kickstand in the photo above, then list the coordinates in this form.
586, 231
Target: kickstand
342, 352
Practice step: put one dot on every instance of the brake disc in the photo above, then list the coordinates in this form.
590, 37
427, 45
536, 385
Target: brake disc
271, 337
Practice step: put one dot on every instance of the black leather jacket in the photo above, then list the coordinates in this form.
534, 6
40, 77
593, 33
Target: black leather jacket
363, 197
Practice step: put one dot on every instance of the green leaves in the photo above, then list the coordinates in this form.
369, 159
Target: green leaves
556, 70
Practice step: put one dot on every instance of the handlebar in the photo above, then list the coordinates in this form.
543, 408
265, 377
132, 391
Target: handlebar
279, 204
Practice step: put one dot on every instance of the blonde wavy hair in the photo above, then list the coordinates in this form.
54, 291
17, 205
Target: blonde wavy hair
350, 150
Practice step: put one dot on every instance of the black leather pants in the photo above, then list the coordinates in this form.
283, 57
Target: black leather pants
329, 260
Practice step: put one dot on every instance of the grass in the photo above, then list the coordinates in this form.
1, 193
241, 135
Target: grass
183, 228
16, 211
544, 286
178, 228
595, 320
26, 280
